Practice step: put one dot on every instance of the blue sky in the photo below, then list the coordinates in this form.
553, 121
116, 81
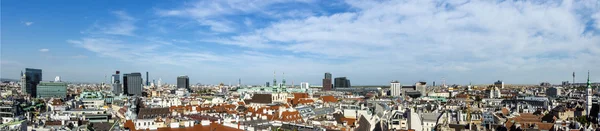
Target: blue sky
370, 42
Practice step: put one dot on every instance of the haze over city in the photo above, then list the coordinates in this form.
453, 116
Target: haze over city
370, 42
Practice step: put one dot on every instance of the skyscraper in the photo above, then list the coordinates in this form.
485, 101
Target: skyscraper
183, 82
341, 82
132, 84
116, 84
147, 80
395, 88
32, 79
327, 82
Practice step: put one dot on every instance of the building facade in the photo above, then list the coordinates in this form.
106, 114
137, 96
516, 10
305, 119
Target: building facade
554, 91
327, 82
116, 84
183, 82
395, 89
32, 79
132, 84
304, 85
51, 89
341, 82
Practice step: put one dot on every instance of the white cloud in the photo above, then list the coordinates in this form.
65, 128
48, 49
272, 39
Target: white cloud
474, 36
211, 13
147, 52
407, 40
44, 50
28, 23
124, 25
597, 18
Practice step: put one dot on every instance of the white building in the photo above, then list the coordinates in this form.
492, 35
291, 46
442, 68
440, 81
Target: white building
395, 88
57, 79
304, 85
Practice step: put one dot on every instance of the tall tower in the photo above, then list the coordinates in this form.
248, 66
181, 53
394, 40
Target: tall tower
589, 95
274, 80
327, 82
283, 81
147, 80
23, 82
573, 82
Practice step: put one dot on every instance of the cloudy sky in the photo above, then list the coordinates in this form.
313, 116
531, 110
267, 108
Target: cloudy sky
370, 42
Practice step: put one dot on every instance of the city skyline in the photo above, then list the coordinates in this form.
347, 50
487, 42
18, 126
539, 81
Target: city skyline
369, 42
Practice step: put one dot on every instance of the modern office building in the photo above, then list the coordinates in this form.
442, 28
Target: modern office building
51, 89
32, 79
132, 84
183, 82
304, 85
147, 79
327, 82
341, 82
395, 89
116, 83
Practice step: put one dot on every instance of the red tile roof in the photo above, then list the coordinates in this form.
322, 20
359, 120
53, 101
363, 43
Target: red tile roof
328, 99
212, 127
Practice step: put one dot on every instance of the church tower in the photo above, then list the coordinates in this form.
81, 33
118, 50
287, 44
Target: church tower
283, 81
274, 79
589, 95
283, 86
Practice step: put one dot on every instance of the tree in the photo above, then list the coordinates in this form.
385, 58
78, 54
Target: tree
582, 119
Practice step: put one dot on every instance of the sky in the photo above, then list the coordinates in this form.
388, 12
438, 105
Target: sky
371, 42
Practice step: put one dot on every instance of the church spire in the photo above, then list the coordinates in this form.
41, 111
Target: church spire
274, 79
283, 81
589, 84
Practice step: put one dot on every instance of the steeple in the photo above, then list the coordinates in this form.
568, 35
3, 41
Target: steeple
283, 81
589, 84
589, 95
274, 80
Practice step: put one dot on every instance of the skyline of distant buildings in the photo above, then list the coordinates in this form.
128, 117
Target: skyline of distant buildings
327, 82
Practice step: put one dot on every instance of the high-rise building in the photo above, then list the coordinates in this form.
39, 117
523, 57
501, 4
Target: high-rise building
304, 85
116, 83
327, 82
396, 89
32, 79
183, 82
51, 89
341, 82
132, 84
147, 80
